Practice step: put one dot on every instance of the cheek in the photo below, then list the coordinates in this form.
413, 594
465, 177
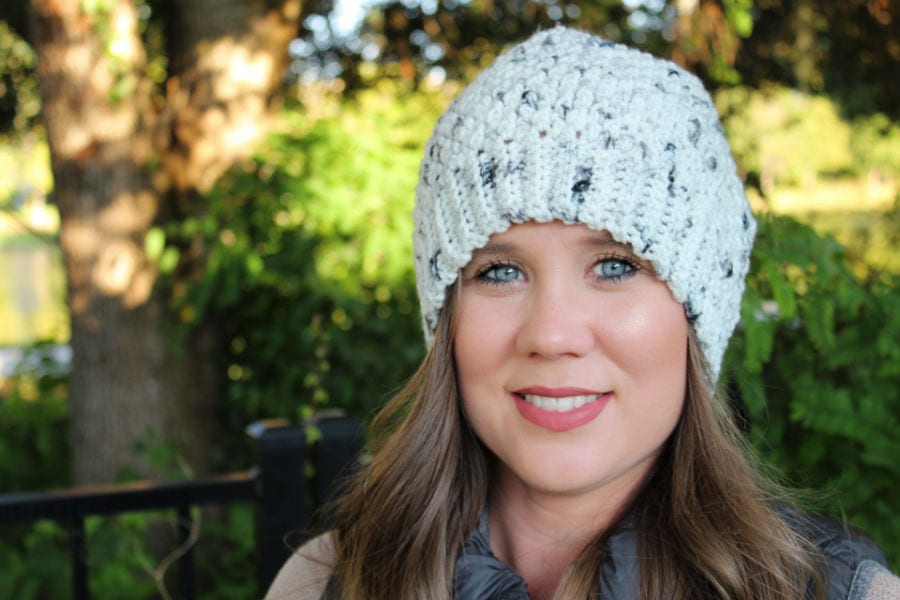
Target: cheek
464, 341
473, 363
481, 339
648, 337
483, 351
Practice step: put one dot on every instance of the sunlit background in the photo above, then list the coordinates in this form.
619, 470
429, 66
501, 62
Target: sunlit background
832, 165
298, 258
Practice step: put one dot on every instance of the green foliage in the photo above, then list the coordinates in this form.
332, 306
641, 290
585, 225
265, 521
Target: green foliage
784, 136
118, 47
25, 175
34, 425
34, 456
739, 14
875, 143
308, 274
34, 559
125, 563
871, 237
34, 562
121, 560
20, 101
843, 49
226, 555
817, 363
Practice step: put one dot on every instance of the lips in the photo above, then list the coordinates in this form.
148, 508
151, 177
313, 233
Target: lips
560, 409
566, 403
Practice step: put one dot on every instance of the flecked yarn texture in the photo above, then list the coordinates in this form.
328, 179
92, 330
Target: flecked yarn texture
568, 126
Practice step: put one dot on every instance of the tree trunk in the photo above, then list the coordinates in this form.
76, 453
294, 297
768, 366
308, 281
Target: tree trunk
107, 126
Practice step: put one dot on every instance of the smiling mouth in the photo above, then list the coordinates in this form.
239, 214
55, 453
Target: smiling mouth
559, 404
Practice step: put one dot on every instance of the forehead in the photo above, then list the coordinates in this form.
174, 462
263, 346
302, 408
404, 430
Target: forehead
532, 232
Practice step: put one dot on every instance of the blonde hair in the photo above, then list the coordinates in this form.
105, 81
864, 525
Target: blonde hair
705, 516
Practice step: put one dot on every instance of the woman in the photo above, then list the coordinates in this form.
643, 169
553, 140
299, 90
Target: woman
581, 243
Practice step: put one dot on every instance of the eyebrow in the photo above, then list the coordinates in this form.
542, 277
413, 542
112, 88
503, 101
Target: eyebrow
492, 248
593, 238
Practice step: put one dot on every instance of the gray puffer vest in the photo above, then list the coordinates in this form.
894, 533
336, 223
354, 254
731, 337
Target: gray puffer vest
852, 561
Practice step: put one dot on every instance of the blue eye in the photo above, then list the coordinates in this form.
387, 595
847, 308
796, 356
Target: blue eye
614, 268
500, 274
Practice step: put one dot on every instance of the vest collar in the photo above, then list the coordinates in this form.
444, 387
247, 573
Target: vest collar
479, 575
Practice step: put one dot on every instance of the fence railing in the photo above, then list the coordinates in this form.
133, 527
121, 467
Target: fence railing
278, 485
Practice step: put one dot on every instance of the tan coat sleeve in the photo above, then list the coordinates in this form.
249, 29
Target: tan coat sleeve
884, 586
306, 573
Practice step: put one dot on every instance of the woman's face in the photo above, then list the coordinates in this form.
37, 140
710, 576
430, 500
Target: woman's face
571, 357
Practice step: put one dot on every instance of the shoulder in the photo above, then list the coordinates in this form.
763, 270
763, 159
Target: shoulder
856, 567
872, 581
306, 573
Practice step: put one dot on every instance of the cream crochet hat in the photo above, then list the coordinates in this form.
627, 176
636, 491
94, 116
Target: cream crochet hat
567, 126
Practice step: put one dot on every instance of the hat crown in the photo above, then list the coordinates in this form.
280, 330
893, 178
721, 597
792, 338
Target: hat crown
567, 126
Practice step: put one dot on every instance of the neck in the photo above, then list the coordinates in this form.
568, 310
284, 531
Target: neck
540, 534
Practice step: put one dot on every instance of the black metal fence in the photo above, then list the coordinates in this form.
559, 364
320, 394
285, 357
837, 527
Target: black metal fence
278, 485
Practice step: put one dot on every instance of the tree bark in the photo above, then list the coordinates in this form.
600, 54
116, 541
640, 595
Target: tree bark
125, 156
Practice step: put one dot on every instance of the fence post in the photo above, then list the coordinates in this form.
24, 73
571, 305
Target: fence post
78, 550
186, 562
281, 488
335, 455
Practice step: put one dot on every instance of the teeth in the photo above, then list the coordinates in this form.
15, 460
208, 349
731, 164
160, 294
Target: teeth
559, 404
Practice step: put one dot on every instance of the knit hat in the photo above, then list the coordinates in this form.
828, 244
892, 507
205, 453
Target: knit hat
568, 126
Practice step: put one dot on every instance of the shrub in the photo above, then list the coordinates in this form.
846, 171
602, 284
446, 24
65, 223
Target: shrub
309, 272
817, 363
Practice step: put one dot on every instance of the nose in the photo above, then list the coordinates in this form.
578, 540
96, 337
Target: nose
556, 323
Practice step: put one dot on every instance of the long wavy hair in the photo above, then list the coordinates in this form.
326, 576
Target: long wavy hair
705, 515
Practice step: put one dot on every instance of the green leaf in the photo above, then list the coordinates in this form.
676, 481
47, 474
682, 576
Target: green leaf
154, 243
169, 260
